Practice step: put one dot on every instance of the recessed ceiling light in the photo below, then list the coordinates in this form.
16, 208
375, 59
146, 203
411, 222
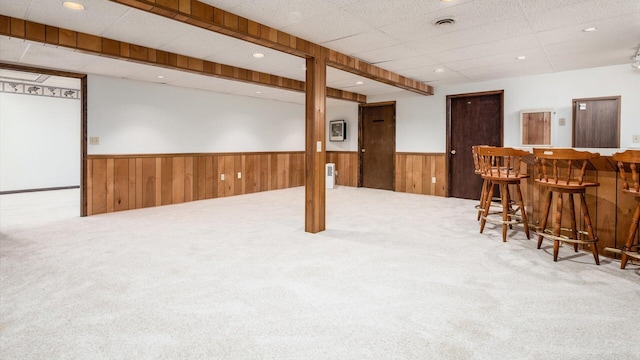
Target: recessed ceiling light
446, 0
258, 55
258, 92
160, 76
590, 29
359, 82
521, 57
73, 6
438, 70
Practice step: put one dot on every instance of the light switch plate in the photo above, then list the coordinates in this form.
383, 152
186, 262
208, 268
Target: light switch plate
636, 139
562, 122
94, 140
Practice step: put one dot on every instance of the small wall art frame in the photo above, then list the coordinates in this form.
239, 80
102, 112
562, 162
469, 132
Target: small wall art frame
337, 130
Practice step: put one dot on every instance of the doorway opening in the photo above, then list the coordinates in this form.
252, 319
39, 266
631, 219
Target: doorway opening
45, 116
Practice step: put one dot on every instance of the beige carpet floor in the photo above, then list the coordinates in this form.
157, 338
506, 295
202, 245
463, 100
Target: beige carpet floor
394, 276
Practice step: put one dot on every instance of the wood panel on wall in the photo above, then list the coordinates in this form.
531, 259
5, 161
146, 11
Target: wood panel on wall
346, 166
124, 182
415, 173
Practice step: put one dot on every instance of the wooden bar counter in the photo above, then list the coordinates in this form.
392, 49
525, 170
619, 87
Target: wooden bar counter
611, 211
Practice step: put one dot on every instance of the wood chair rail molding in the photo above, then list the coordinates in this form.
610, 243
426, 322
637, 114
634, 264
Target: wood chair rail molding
223, 22
96, 45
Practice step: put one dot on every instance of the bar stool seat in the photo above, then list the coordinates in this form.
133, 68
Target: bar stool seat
501, 167
566, 176
629, 161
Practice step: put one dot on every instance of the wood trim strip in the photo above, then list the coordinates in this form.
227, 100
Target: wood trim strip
122, 156
96, 45
420, 153
39, 189
223, 22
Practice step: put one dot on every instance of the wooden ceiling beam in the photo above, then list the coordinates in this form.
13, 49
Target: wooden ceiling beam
96, 45
211, 18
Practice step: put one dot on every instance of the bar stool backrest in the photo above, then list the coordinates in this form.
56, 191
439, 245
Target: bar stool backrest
500, 161
476, 158
629, 161
555, 159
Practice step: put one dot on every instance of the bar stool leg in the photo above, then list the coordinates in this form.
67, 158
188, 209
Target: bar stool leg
632, 234
557, 226
504, 191
523, 212
483, 197
574, 228
506, 187
587, 222
543, 224
487, 203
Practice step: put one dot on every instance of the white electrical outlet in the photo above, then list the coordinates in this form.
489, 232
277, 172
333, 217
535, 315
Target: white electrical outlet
562, 122
433, 179
94, 140
239, 175
636, 138
222, 177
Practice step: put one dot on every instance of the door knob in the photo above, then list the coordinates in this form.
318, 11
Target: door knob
453, 152
362, 150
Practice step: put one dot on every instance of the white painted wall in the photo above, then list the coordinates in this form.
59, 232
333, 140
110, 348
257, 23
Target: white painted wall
421, 120
133, 117
39, 142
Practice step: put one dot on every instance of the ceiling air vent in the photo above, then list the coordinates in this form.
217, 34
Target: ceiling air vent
444, 21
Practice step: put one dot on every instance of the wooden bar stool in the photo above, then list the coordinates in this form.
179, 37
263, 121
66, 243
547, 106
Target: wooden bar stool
501, 166
485, 183
629, 161
565, 176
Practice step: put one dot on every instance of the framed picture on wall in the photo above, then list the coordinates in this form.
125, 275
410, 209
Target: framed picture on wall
338, 130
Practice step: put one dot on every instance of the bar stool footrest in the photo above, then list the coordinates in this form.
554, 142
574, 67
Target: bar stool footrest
547, 234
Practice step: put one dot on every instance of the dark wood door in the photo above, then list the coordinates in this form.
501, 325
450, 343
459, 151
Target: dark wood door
474, 119
596, 123
377, 146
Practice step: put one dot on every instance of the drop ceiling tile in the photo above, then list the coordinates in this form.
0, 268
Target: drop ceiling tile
370, 40
511, 73
97, 16
112, 67
227, 5
499, 70
530, 6
581, 13
576, 61
201, 43
333, 25
402, 65
15, 8
334, 74
606, 28
500, 30
467, 15
202, 82
623, 43
388, 53
509, 57
158, 30
282, 13
11, 49
56, 58
379, 13
485, 49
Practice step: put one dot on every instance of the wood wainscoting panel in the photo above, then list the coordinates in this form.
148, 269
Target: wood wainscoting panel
125, 182
346, 166
415, 173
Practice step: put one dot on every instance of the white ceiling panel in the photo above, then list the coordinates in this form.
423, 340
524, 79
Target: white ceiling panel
225, 4
137, 27
382, 54
605, 29
522, 67
402, 65
331, 26
485, 49
97, 16
582, 13
112, 67
201, 43
11, 50
55, 58
532, 55
500, 30
531, 6
361, 42
14, 8
282, 13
